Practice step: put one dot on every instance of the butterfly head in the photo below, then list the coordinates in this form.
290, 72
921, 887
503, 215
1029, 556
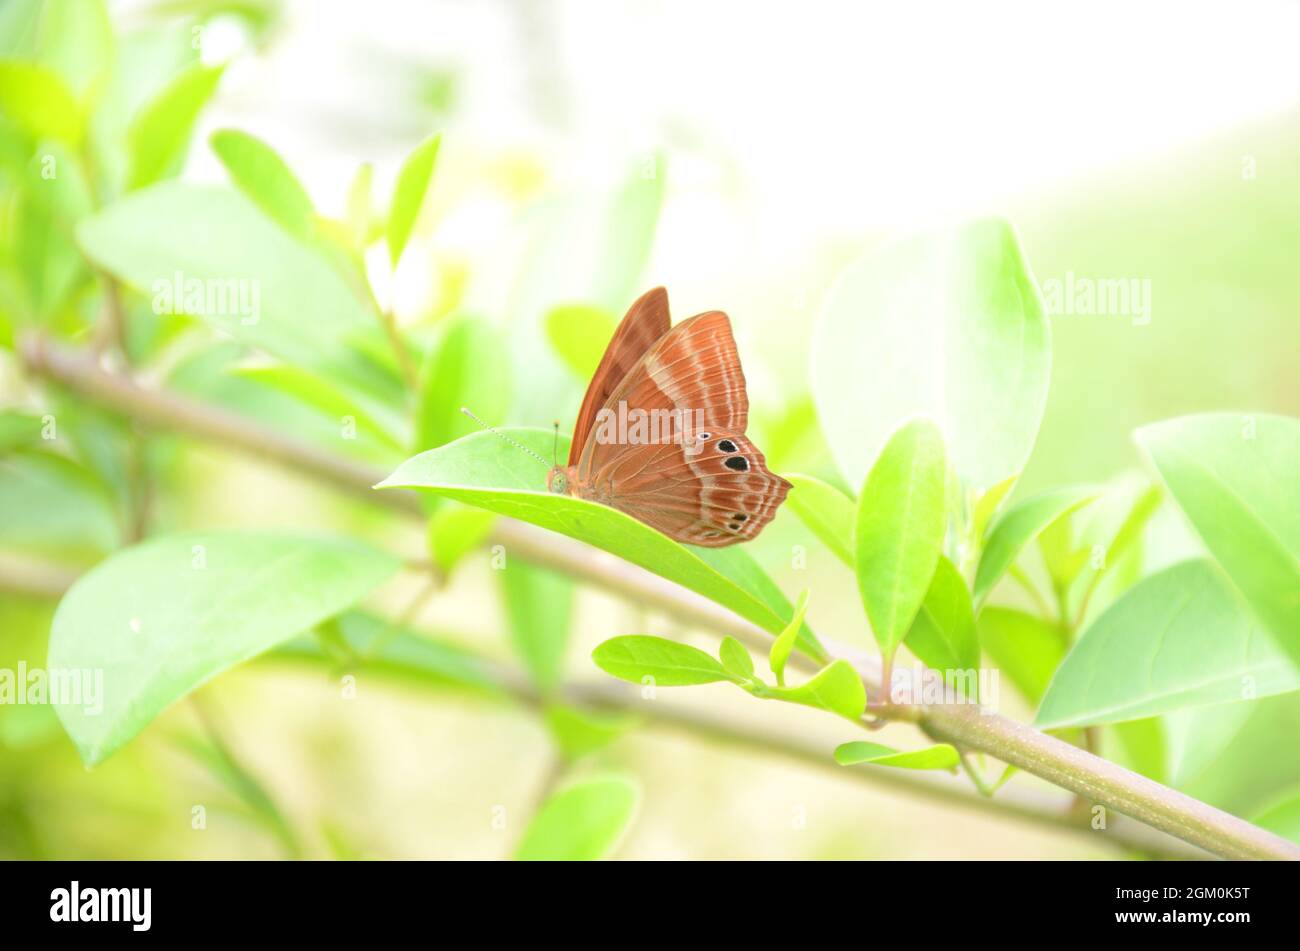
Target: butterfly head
560, 480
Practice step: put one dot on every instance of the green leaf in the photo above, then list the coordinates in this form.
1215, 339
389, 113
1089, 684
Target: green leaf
300, 309
332, 399
54, 196
988, 504
636, 657
160, 133
1282, 818
360, 214
628, 235
467, 368
836, 688
263, 176
455, 530
1142, 747
943, 634
940, 756
784, 643
1025, 648
74, 37
1235, 479
581, 823
1179, 638
36, 99
580, 733
377, 645
408, 194
736, 659
1018, 527
539, 605
946, 325
901, 520
163, 617
827, 512
579, 334
484, 470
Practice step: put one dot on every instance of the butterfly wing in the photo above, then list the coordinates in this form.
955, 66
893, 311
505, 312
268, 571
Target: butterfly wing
720, 495
645, 323
714, 492
695, 366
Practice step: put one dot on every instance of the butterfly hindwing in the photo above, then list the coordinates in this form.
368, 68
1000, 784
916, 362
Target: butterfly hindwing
721, 494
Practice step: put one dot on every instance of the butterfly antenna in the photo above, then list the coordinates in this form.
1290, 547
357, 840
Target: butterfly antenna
496, 432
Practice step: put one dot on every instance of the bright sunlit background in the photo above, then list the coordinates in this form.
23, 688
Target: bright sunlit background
1150, 141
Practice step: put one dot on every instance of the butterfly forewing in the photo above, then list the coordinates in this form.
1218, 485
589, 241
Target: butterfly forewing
645, 323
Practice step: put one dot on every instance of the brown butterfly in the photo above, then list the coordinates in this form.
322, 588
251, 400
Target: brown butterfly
703, 483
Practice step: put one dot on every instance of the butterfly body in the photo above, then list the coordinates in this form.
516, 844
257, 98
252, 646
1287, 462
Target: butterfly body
661, 432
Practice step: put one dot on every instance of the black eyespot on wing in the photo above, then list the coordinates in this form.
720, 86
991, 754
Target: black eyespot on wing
726, 445
737, 464
704, 435
734, 526
740, 516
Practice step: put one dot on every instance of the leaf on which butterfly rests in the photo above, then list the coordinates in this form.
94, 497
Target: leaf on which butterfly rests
483, 470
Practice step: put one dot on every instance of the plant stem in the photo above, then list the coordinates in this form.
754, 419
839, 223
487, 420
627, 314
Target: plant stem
965, 726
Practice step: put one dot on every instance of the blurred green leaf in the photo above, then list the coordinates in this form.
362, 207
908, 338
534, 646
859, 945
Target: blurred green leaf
785, 641
1025, 648
827, 512
360, 213
580, 333
1018, 527
1228, 755
259, 172
1142, 747
484, 470
455, 530
539, 606
305, 312
947, 325
1235, 478
357, 639
628, 235
1178, 638
35, 98
163, 617
901, 520
160, 133
581, 823
55, 507
739, 567
988, 504
640, 658
943, 634
580, 733
330, 398
940, 756
75, 38
467, 368
836, 688
54, 196
408, 194
736, 658
1283, 817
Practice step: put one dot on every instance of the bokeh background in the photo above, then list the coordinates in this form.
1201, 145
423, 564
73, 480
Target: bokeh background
1154, 141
